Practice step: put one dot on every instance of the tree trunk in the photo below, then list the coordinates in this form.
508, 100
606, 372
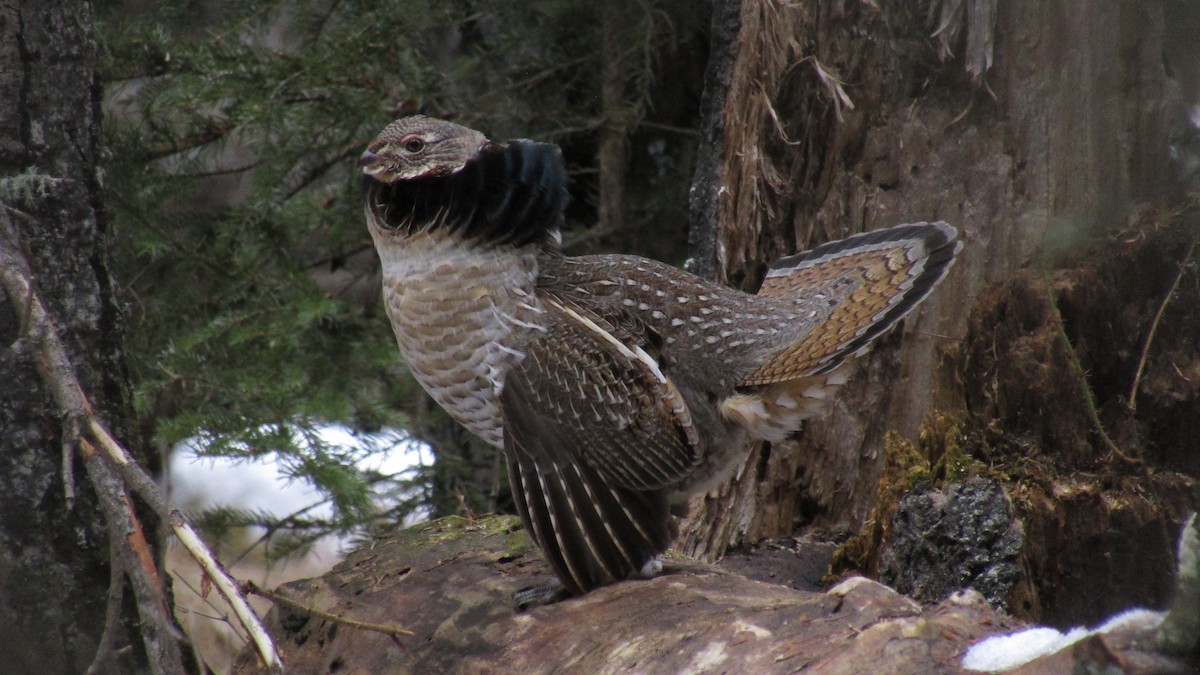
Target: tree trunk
54, 549
613, 153
705, 194
1032, 127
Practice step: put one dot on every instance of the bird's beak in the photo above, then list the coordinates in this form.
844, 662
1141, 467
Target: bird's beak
368, 158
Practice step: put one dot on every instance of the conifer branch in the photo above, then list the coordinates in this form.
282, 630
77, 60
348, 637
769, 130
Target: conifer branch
113, 473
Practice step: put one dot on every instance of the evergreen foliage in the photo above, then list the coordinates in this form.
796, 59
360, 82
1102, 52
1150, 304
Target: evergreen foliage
251, 283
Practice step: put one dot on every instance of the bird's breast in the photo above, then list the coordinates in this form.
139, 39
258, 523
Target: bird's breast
456, 311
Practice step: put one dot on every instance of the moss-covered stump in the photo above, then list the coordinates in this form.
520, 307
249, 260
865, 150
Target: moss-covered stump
1080, 391
450, 583
1080, 411
1064, 551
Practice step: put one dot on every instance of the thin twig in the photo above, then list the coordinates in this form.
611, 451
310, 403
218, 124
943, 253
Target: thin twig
70, 438
1137, 377
112, 614
1088, 399
669, 128
220, 613
159, 635
308, 174
386, 629
228, 588
291, 521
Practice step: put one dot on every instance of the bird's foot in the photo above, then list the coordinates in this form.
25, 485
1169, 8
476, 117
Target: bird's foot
538, 595
552, 590
651, 568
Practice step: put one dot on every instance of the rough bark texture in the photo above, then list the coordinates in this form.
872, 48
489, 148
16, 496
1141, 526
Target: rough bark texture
943, 542
613, 154
704, 195
450, 583
54, 555
1051, 150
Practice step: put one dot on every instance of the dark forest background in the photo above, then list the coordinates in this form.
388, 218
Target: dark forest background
252, 286
182, 178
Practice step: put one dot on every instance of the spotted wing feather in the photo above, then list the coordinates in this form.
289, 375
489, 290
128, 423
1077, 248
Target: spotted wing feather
594, 439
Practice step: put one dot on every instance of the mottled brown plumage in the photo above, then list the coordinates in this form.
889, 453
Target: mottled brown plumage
615, 385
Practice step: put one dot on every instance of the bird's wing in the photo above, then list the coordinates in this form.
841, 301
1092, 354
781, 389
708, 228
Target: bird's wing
852, 291
594, 435
586, 383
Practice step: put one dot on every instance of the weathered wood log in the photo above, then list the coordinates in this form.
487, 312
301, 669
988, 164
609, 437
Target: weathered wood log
451, 581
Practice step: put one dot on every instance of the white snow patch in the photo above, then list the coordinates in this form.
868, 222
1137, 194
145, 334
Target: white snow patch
262, 484
1006, 652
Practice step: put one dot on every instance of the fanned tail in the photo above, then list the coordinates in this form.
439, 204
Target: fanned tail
849, 292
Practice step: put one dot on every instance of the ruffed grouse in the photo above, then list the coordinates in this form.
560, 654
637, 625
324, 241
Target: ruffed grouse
615, 385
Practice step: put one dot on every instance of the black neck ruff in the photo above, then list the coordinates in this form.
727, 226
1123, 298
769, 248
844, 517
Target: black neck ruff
512, 194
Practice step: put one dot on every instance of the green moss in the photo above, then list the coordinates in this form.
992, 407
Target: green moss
939, 455
452, 528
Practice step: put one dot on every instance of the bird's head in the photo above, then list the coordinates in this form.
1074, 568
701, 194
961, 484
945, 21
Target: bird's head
419, 147
428, 176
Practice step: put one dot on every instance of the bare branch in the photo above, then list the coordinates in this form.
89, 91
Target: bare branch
1089, 398
125, 535
112, 471
112, 613
228, 588
1141, 367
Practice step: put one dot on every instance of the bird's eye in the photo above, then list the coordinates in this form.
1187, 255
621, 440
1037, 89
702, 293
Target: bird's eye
413, 144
